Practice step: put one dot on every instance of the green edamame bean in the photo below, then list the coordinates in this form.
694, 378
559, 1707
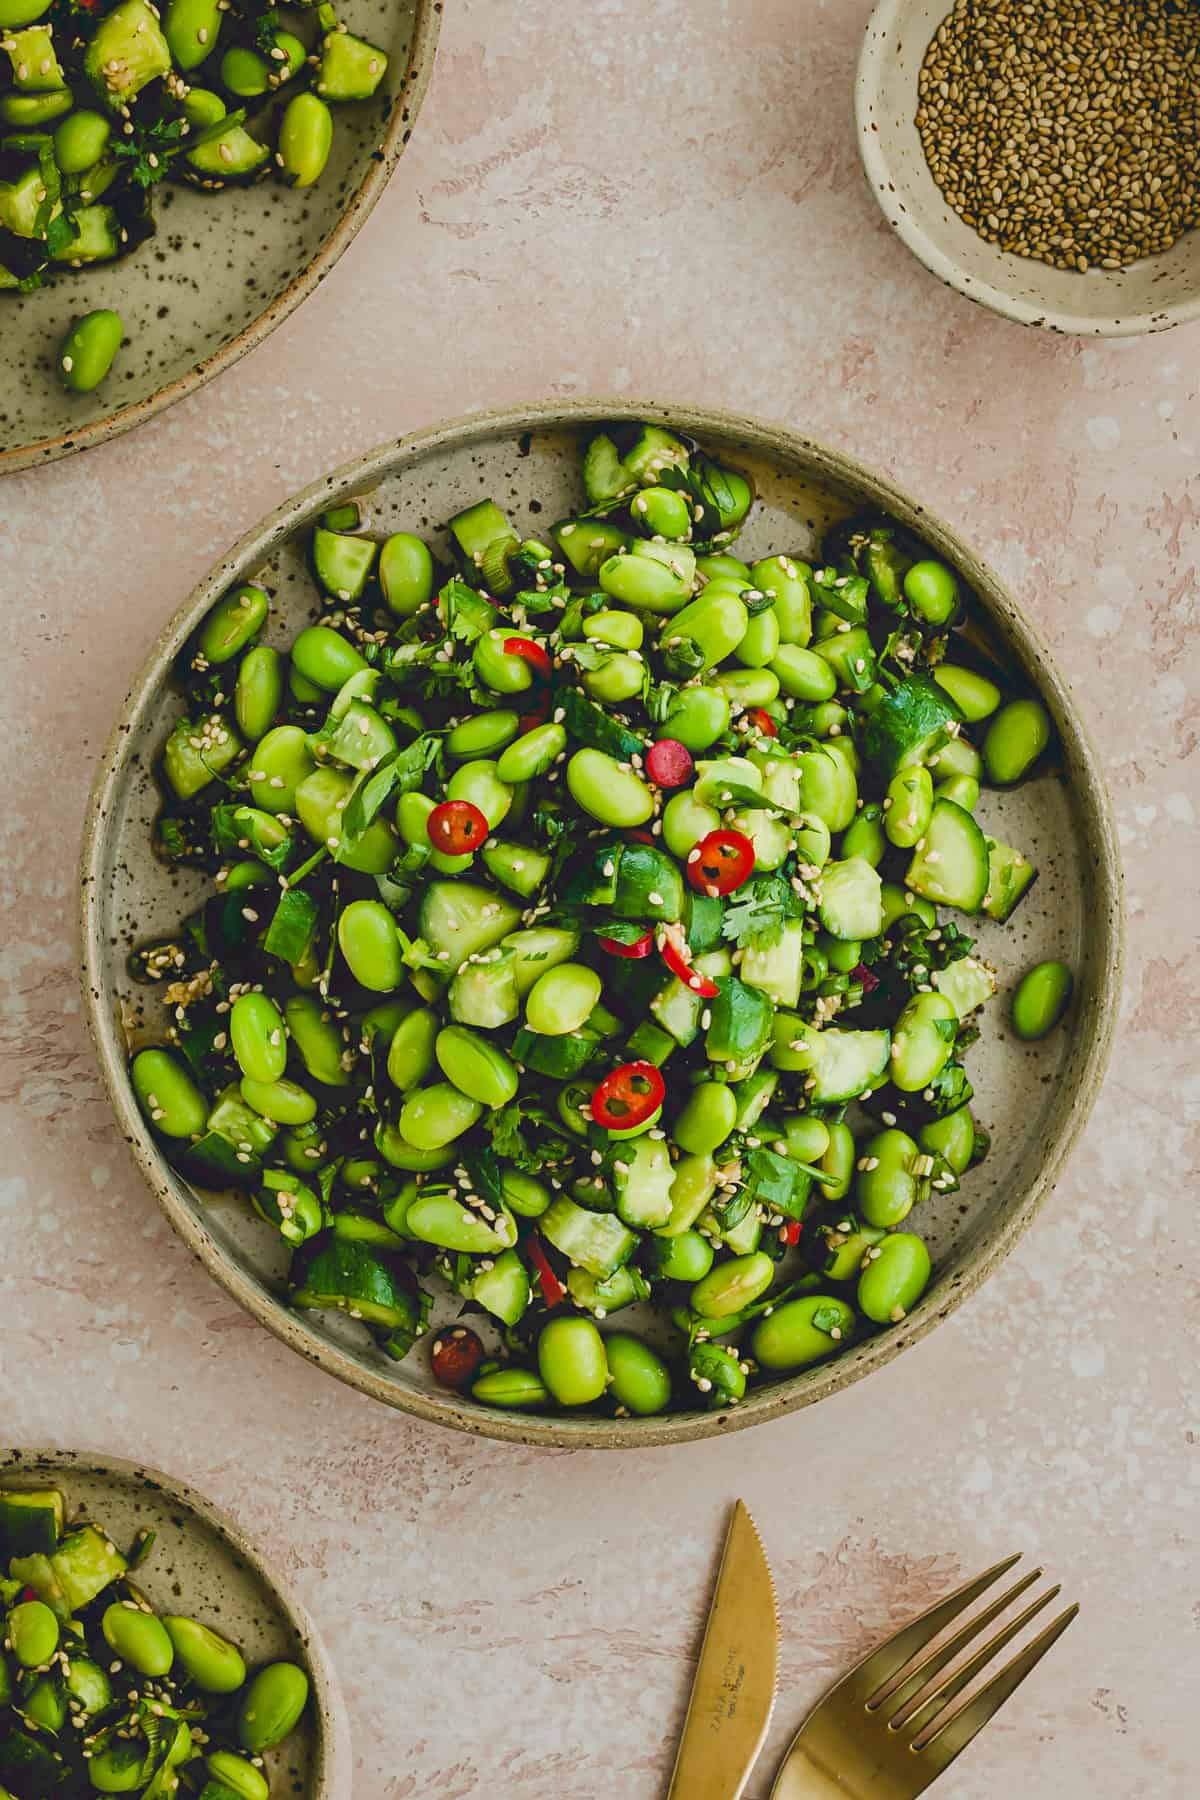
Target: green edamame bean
813, 840
908, 807
760, 641
844, 1243
317, 1038
412, 818
483, 735
280, 763
497, 669
32, 1630
640, 1380
368, 939
87, 352
803, 674
1015, 739
974, 695
747, 687
202, 108
614, 795
285, 1102
687, 1257
305, 140
661, 512
643, 583
80, 141
213, 1663
519, 1388
238, 1775
523, 1195
138, 1638
932, 591
685, 821
952, 1136
324, 657
14, 14
962, 789
895, 1275
827, 786
395, 1149
708, 1117
922, 1041
716, 622
865, 836
272, 1707
435, 1116
1042, 997
561, 999
320, 803
886, 1189
167, 1094
412, 1049
722, 565
732, 1285
117, 1768
697, 717
476, 1067
956, 757
622, 630
619, 677
259, 1037
571, 1361
405, 573
532, 754
191, 28
282, 69
718, 1374
807, 1139
837, 1160
480, 783
802, 1331
786, 580
245, 73
258, 693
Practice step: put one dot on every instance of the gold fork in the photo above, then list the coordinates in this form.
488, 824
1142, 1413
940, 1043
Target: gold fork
887, 1729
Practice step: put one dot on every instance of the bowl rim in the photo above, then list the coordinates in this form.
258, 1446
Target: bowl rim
20, 1462
406, 105
359, 475
887, 17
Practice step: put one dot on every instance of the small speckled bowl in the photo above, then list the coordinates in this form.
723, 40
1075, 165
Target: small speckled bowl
1033, 1097
222, 271
1153, 295
202, 1564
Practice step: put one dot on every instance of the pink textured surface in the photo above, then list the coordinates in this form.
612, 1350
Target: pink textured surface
664, 202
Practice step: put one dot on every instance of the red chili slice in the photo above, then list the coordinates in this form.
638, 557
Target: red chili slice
669, 763
456, 1356
674, 953
763, 721
640, 837
627, 1097
868, 977
640, 947
531, 720
532, 653
790, 1233
456, 827
553, 1291
721, 862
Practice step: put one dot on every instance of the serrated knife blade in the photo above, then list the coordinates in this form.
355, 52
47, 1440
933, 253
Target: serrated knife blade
734, 1690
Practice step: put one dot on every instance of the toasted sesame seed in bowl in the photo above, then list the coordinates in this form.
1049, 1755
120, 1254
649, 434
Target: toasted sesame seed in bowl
1042, 157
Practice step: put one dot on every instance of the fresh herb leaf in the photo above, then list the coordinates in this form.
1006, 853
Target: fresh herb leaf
621, 931
758, 919
290, 932
401, 773
843, 593
591, 726
237, 832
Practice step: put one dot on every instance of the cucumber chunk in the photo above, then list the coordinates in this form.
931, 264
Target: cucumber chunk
951, 865
842, 1064
1010, 876
31, 1521
597, 1242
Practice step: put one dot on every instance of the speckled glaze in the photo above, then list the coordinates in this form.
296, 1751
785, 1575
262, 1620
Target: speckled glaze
222, 270
1034, 1098
203, 1564
1153, 295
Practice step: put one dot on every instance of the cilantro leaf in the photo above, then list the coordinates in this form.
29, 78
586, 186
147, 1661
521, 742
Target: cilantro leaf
758, 918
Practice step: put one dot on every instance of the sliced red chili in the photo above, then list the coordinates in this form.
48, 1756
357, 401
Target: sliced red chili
456, 827
868, 977
457, 1354
538, 716
531, 652
721, 862
640, 947
669, 763
790, 1233
762, 721
626, 1098
640, 837
553, 1291
674, 951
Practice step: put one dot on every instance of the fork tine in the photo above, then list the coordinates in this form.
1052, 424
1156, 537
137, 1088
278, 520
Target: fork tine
893, 1699
889, 1658
957, 1733
935, 1702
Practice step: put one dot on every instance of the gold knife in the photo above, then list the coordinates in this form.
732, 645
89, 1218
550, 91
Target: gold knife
734, 1689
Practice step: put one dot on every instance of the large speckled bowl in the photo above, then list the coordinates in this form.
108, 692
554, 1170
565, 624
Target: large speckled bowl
221, 271
1152, 295
202, 1564
1034, 1098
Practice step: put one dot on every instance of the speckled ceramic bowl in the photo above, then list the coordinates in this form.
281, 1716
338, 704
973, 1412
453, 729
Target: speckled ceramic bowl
203, 1564
1153, 295
1033, 1097
222, 271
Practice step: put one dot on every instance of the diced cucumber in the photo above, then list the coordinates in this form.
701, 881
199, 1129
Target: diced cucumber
350, 68
31, 1521
642, 1179
485, 993
516, 866
743, 1238
649, 885
85, 1563
753, 1097
966, 984
127, 51
586, 543
648, 1043
741, 1022
604, 477
504, 1288
692, 1189
477, 527
677, 1009
353, 1278
777, 970
851, 904
540, 948
623, 1287
704, 920
462, 918
1010, 875
951, 867
598, 1242
558, 1057
844, 1063
37, 1572
342, 563
232, 155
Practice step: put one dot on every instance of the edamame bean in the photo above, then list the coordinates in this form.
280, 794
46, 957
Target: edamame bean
845, 1243
285, 1102
191, 28
895, 1275
32, 1630
412, 817
640, 1380
802, 1331
662, 513
279, 764
962, 789
89, 349
619, 677
716, 623
643, 582
412, 1049
786, 580
272, 1707
320, 802
519, 1388
803, 674
245, 73
807, 1139
697, 717
571, 1361
717, 1373
483, 735
532, 754
974, 695
760, 641
886, 1188
621, 630
561, 999
1015, 739
687, 1257
908, 807
396, 1150
324, 657
117, 1768
238, 1775
732, 1285
837, 1161
317, 1039
708, 1117
685, 821
523, 1195
258, 692
305, 140
405, 573
1042, 997
80, 141
167, 1094
812, 839
864, 836
747, 687
259, 1037
285, 1202
368, 939
138, 1638
213, 1663
922, 1041
480, 783
932, 591
475, 1067
499, 670
435, 1116
827, 785
610, 793
952, 1136
202, 108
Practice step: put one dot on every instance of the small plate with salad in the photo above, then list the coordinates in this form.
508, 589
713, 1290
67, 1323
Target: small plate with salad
552, 910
